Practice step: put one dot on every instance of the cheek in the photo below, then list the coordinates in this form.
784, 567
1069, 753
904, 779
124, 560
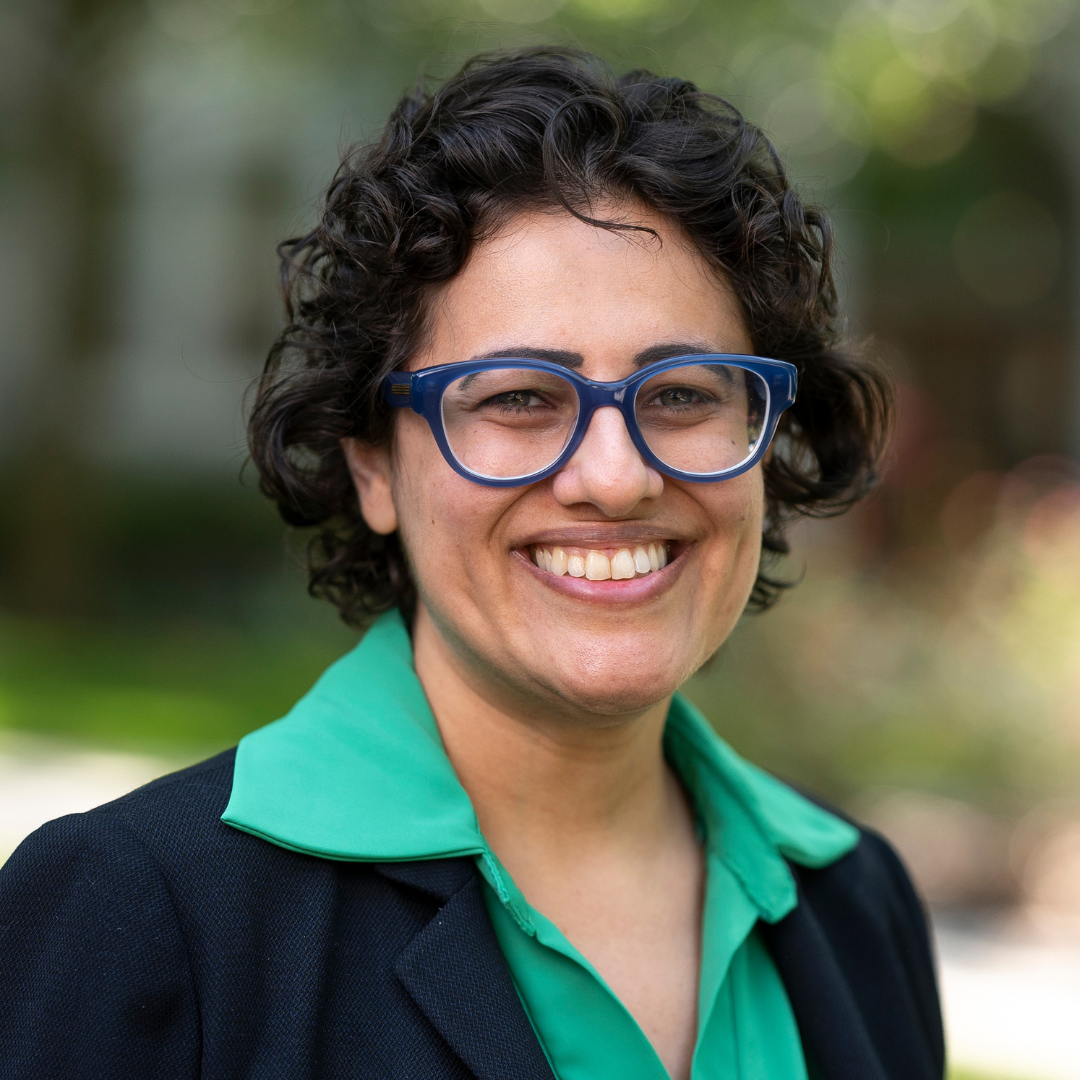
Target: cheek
736, 509
750, 519
446, 522
731, 559
418, 482
734, 551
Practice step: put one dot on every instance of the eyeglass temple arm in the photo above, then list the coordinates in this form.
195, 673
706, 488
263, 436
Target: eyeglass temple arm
398, 390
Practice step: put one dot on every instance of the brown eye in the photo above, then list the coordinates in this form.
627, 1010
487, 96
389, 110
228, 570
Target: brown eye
678, 395
515, 399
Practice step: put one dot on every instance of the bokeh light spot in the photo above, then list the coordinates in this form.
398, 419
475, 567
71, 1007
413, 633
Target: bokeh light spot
822, 128
1032, 21
635, 9
915, 121
522, 11
957, 48
921, 16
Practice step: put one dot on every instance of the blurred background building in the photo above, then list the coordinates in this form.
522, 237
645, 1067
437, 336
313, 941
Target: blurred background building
925, 673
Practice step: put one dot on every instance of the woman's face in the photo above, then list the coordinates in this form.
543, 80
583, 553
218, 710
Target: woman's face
588, 650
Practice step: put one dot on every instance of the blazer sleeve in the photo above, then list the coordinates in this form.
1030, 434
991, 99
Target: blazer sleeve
95, 979
914, 946
866, 909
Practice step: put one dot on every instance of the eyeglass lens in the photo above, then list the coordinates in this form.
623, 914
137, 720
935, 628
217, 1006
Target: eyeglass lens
515, 422
702, 418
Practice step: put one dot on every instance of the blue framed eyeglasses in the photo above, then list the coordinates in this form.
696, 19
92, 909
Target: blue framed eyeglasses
509, 422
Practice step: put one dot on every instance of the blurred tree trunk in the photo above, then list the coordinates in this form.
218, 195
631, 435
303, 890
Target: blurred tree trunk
73, 158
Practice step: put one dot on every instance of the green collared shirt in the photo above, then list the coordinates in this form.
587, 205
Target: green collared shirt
357, 771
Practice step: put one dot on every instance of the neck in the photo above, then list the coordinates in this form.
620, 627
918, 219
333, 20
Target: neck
548, 788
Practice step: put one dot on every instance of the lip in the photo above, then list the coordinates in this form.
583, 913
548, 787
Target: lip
596, 535
626, 591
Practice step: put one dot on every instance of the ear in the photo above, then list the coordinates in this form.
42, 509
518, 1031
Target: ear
369, 467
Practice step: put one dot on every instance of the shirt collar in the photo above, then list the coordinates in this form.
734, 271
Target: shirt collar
752, 821
357, 771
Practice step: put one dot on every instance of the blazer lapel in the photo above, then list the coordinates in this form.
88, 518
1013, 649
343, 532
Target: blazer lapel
829, 1020
456, 973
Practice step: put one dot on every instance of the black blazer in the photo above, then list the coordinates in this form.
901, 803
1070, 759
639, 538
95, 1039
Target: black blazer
146, 939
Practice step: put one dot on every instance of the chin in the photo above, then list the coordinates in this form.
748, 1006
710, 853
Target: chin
609, 692
603, 672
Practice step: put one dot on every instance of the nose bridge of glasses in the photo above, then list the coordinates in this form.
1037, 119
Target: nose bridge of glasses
601, 395
598, 395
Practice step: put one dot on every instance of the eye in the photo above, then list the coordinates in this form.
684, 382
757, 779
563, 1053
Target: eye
513, 400
675, 396
680, 398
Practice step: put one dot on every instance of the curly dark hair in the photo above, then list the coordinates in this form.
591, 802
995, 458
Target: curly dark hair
526, 130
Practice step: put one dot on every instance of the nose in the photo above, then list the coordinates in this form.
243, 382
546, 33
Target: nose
607, 470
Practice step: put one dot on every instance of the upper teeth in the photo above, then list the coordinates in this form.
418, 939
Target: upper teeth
596, 566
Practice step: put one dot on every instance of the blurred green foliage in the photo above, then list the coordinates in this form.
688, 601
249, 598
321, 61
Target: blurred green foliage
174, 688
201, 628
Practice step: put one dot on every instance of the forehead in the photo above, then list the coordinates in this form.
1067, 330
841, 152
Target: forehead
551, 281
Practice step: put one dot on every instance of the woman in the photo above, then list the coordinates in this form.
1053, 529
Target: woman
542, 338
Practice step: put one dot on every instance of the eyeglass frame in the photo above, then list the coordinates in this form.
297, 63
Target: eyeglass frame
423, 392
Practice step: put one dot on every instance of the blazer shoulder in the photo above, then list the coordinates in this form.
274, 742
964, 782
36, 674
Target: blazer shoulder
170, 819
872, 876
210, 779
187, 800
872, 872
96, 978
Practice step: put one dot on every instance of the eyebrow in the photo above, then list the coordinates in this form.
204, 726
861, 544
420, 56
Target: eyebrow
664, 351
562, 357
669, 349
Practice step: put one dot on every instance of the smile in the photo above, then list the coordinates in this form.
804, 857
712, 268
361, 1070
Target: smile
601, 565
